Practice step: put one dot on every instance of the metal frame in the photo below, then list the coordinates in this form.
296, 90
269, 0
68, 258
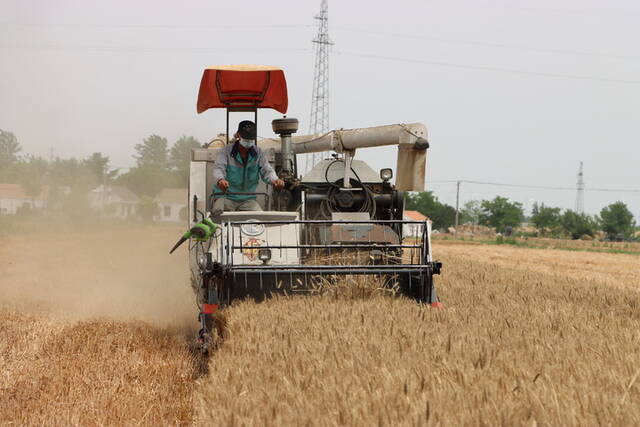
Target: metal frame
223, 282
240, 110
422, 266
213, 198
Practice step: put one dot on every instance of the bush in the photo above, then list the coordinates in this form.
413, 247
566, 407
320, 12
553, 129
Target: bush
545, 219
501, 213
578, 225
147, 209
617, 221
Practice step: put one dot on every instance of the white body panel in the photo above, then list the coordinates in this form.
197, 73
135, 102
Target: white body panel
253, 237
197, 187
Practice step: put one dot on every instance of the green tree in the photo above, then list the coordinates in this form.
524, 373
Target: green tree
151, 173
98, 165
152, 153
9, 150
544, 218
577, 225
69, 181
617, 220
470, 212
442, 215
179, 157
32, 174
144, 181
71, 173
501, 213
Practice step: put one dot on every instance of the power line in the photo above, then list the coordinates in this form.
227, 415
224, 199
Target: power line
535, 187
161, 49
579, 200
490, 44
225, 28
488, 68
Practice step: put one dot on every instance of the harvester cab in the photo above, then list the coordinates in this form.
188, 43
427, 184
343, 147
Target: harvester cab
340, 218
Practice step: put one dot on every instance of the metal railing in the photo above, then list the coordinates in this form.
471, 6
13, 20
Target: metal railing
374, 246
218, 195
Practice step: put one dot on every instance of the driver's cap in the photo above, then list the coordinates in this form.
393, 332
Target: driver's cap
247, 129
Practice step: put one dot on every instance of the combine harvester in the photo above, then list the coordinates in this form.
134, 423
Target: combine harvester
340, 218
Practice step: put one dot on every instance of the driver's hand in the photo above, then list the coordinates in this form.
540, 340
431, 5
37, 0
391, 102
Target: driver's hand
223, 184
278, 183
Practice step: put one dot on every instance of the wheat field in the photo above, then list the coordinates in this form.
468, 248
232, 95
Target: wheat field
93, 329
515, 346
527, 337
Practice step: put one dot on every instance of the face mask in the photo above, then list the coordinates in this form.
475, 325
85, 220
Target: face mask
246, 143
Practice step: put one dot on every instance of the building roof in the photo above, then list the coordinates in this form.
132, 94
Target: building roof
117, 191
415, 216
16, 191
172, 196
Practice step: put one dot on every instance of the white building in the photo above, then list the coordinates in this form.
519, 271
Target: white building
13, 198
412, 230
172, 205
114, 201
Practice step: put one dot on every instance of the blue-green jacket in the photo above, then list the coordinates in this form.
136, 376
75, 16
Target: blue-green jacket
243, 177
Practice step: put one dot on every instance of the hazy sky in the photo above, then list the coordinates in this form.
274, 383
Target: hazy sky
511, 91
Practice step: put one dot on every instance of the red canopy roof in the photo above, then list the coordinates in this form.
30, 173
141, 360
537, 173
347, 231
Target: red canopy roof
243, 87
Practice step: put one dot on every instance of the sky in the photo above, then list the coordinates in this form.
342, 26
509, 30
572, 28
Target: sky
513, 92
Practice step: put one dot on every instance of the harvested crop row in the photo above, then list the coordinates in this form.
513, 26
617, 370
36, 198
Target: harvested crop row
92, 373
513, 347
61, 365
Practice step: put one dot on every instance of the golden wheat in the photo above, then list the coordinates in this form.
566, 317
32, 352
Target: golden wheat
513, 346
93, 372
63, 366
527, 337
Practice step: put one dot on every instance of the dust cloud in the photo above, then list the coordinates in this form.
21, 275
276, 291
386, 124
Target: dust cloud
119, 273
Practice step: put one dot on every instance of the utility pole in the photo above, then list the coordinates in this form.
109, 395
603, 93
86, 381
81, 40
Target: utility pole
457, 204
319, 122
580, 191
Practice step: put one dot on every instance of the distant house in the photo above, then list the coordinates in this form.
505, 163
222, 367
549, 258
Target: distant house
172, 205
413, 230
114, 201
13, 198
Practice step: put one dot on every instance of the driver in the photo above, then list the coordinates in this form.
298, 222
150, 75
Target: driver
238, 168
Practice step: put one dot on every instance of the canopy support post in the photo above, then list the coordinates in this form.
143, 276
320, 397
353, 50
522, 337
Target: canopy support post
227, 125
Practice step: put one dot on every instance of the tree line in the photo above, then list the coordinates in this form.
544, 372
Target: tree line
158, 166
616, 221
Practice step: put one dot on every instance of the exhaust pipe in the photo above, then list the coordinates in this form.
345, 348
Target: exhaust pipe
285, 127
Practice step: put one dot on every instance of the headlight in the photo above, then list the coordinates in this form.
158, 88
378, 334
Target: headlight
202, 260
251, 229
264, 255
386, 174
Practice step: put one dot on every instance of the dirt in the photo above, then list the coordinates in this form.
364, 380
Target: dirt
120, 274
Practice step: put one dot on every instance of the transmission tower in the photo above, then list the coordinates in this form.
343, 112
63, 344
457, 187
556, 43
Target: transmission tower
319, 122
580, 191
